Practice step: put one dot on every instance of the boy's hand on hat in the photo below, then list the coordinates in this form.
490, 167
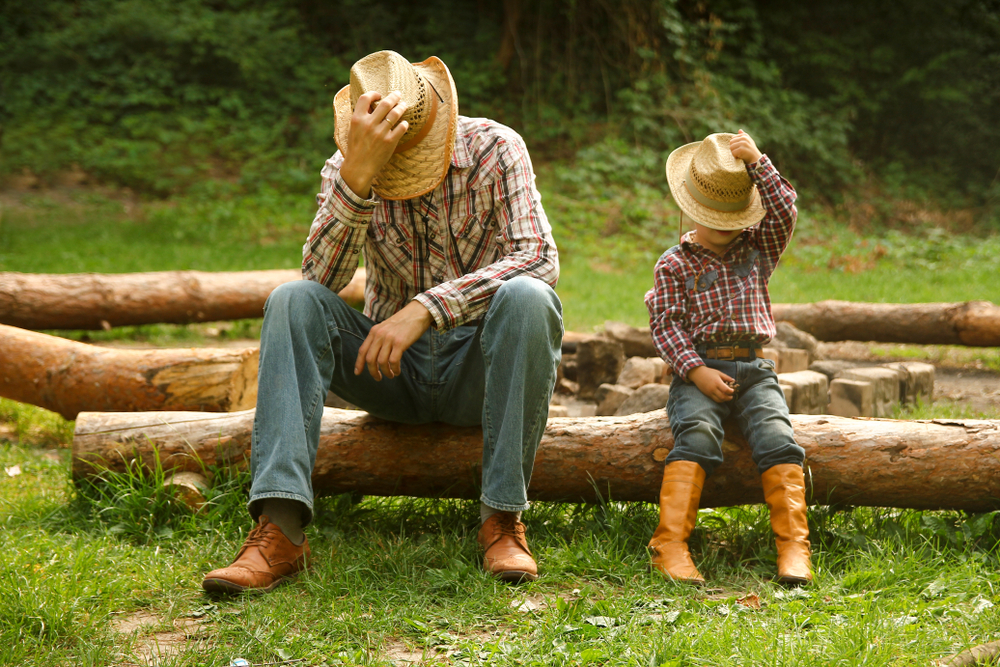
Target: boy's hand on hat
743, 148
375, 132
712, 383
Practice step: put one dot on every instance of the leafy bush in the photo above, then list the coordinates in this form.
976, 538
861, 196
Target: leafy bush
227, 96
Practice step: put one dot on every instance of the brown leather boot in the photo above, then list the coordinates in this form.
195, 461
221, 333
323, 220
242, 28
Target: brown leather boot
507, 555
679, 497
785, 494
266, 560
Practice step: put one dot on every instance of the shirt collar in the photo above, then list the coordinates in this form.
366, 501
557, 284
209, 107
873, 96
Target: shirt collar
461, 158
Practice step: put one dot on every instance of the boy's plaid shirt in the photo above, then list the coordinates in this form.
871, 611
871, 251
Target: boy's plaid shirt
699, 297
450, 249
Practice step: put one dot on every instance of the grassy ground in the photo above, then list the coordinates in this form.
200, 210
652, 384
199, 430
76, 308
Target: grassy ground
108, 575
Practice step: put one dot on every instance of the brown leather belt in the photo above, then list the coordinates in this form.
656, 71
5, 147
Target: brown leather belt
728, 352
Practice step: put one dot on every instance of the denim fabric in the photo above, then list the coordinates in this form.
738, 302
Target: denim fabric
759, 408
500, 374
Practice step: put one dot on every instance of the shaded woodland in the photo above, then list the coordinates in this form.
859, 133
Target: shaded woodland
167, 98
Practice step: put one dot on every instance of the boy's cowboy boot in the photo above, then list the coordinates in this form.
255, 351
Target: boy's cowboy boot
679, 496
785, 494
507, 555
266, 560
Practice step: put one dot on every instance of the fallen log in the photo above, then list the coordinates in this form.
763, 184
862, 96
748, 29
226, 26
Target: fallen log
69, 377
100, 301
879, 462
972, 323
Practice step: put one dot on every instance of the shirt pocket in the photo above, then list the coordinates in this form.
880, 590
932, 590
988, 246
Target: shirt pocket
472, 227
746, 274
387, 244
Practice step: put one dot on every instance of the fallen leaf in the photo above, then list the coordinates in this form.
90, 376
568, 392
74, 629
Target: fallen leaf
524, 606
751, 600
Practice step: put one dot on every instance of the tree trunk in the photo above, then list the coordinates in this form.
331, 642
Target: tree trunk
921, 464
100, 301
973, 323
69, 377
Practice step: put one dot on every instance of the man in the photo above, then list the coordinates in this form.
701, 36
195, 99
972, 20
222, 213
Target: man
461, 324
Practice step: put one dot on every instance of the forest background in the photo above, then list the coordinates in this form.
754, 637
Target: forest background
226, 97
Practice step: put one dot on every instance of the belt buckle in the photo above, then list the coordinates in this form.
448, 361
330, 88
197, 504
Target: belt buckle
725, 353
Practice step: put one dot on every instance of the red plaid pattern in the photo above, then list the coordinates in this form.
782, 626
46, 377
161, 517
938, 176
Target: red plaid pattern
450, 249
700, 298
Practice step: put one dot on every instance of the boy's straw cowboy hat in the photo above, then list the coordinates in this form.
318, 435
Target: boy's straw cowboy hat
712, 187
423, 155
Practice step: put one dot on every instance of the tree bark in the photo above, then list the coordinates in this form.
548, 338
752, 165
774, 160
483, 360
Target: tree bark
69, 377
99, 301
972, 323
920, 464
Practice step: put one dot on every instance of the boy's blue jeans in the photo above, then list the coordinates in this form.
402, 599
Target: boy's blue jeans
500, 374
759, 408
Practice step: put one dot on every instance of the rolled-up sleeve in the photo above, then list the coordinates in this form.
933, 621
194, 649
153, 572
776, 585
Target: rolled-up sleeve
337, 235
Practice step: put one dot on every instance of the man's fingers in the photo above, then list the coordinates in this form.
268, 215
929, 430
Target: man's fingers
366, 101
385, 106
362, 353
383, 359
397, 132
396, 113
394, 361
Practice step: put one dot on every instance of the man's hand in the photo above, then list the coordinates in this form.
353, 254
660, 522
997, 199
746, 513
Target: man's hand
374, 135
387, 340
743, 148
712, 383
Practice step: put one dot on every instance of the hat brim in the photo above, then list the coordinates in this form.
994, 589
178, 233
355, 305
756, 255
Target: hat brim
419, 170
678, 164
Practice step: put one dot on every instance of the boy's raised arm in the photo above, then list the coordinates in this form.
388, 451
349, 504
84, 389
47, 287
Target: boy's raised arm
778, 197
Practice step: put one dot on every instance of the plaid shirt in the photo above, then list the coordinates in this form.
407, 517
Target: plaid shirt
700, 298
450, 249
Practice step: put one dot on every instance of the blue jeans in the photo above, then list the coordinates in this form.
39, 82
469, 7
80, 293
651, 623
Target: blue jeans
759, 408
499, 374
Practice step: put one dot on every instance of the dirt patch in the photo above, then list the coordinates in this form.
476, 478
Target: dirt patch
156, 645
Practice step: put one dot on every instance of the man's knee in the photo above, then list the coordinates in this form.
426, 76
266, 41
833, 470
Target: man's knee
530, 304
301, 300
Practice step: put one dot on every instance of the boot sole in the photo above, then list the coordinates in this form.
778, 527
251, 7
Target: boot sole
230, 588
516, 576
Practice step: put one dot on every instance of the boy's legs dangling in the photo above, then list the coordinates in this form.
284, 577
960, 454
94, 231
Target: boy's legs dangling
696, 422
763, 416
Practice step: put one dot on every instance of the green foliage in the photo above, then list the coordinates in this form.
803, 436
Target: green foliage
232, 96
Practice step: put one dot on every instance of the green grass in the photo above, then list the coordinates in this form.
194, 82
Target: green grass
892, 587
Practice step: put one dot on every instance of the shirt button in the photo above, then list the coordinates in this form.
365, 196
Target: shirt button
355, 251
434, 234
438, 279
732, 317
424, 219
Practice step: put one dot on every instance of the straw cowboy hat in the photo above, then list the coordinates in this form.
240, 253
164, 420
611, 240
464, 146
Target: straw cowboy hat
712, 187
423, 155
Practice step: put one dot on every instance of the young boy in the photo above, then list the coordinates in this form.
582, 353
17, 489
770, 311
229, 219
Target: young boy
710, 313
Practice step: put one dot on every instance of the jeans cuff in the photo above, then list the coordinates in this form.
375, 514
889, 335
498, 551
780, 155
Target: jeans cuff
253, 504
503, 507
